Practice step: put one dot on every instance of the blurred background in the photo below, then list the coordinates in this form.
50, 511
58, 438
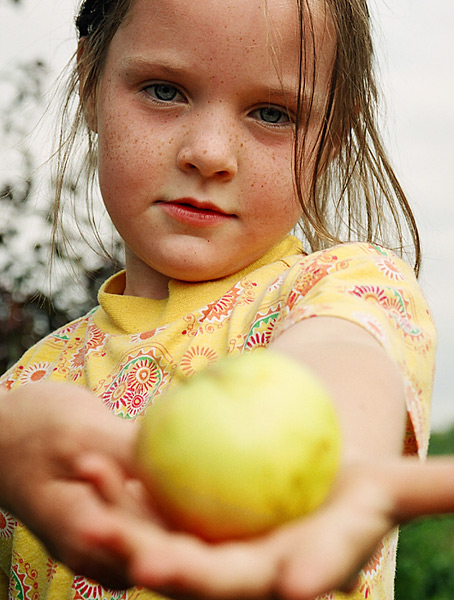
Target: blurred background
415, 51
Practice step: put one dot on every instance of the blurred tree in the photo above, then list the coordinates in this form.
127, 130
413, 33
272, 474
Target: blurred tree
30, 304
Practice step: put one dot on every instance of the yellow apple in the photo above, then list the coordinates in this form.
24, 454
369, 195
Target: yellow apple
240, 448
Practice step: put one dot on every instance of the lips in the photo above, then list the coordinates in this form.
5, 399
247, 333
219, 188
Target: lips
198, 205
193, 212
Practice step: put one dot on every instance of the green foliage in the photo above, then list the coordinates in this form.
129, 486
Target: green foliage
442, 442
425, 567
425, 558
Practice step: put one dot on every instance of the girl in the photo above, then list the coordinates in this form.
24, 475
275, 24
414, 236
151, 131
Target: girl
215, 128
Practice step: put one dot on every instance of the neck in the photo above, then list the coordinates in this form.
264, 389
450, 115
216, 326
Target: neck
143, 281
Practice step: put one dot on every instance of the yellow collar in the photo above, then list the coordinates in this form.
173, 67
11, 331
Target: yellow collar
120, 314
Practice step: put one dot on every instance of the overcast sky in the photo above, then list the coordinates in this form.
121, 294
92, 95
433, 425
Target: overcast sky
416, 47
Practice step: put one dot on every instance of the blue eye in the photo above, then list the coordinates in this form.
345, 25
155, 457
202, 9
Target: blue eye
165, 92
273, 115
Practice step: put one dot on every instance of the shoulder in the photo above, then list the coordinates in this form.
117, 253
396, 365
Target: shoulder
345, 270
342, 281
39, 362
358, 258
375, 289
360, 282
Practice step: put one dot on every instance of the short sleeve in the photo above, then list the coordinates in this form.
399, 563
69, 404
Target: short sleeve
372, 287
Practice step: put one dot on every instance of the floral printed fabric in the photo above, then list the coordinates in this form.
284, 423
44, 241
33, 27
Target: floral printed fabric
130, 350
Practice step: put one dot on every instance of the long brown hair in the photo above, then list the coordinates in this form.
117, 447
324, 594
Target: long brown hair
355, 195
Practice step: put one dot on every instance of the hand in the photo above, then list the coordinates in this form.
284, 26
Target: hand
304, 559
65, 468
300, 560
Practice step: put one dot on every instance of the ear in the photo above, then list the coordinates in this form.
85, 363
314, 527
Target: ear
87, 97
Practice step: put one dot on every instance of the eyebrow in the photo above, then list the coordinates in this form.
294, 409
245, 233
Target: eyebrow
133, 64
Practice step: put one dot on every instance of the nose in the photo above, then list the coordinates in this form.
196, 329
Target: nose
209, 148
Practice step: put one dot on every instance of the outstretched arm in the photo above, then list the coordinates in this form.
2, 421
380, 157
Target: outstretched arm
375, 490
304, 559
65, 455
365, 384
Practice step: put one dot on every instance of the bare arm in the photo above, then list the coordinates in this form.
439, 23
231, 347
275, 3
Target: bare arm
376, 489
326, 550
365, 384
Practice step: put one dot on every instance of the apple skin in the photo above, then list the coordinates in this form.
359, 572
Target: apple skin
241, 448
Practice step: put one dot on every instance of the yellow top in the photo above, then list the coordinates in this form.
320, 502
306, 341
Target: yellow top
129, 350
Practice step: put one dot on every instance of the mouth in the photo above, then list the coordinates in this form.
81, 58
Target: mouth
197, 205
194, 212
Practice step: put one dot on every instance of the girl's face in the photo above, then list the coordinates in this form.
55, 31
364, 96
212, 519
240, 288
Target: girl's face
194, 114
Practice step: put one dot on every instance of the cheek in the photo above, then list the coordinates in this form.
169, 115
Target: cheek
273, 181
127, 160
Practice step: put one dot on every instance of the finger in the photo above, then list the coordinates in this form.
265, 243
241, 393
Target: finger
104, 474
119, 442
94, 425
326, 562
78, 517
180, 564
101, 565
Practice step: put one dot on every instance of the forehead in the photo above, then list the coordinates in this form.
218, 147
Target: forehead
240, 28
